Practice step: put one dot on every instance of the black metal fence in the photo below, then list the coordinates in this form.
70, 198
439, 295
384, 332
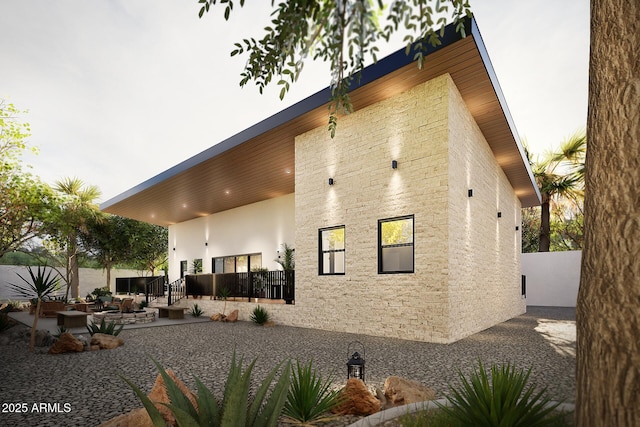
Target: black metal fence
267, 284
135, 285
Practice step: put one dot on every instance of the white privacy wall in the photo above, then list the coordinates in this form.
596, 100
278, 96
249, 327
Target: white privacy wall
552, 278
257, 228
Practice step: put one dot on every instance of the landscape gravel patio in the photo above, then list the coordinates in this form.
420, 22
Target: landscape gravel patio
85, 389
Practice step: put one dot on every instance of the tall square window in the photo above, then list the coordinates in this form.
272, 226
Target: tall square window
332, 250
395, 245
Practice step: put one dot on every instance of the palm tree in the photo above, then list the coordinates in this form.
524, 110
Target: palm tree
39, 287
77, 209
559, 174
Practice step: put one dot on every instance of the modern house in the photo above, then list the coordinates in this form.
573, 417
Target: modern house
406, 224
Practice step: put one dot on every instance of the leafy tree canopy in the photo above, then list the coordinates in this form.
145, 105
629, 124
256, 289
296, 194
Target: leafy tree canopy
342, 33
25, 202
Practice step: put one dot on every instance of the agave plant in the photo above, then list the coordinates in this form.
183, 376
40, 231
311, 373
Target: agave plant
505, 400
310, 399
235, 409
41, 285
196, 311
259, 315
104, 328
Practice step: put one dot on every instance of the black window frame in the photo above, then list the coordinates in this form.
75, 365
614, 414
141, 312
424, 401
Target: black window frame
322, 252
412, 244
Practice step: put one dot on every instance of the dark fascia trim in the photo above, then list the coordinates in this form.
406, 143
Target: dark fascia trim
477, 38
371, 73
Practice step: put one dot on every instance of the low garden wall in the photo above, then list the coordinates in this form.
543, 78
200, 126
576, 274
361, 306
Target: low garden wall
552, 278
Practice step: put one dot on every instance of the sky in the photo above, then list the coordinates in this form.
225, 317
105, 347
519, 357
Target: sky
119, 91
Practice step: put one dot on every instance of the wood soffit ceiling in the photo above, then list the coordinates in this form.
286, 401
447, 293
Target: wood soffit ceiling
258, 163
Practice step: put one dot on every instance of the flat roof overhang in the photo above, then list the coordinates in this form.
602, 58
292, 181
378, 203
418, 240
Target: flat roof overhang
259, 163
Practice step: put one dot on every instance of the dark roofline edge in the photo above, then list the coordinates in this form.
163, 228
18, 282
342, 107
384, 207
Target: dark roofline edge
384, 66
477, 37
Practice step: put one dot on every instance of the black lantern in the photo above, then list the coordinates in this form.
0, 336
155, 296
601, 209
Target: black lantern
355, 365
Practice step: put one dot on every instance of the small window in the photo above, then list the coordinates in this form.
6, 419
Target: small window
332, 250
395, 245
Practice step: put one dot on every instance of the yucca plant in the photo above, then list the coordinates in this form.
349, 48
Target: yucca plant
224, 293
259, 315
41, 285
236, 408
505, 400
196, 311
104, 328
310, 399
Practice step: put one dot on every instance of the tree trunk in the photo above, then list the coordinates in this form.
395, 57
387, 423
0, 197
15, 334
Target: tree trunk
608, 309
75, 273
34, 327
544, 242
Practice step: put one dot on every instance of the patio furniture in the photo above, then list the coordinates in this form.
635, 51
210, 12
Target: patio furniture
171, 312
72, 319
48, 308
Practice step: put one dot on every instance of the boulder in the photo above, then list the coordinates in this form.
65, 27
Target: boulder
357, 399
158, 395
217, 317
135, 418
43, 338
67, 343
400, 391
106, 341
232, 317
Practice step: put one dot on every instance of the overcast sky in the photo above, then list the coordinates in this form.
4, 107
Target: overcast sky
121, 90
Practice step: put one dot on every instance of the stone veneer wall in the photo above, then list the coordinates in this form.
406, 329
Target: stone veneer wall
466, 271
484, 250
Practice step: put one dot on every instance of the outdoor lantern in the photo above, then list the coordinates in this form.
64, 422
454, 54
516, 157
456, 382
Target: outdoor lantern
355, 365
330, 181
394, 164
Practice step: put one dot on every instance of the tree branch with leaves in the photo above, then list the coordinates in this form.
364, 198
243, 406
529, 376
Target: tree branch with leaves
343, 33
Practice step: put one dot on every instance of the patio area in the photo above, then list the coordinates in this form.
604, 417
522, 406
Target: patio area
89, 382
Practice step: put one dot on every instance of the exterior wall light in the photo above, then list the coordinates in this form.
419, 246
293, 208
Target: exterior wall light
174, 248
517, 227
394, 164
330, 181
206, 243
355, 365
470, 192
499, 214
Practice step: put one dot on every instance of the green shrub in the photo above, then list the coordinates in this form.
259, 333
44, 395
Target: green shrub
104, 328
236, 408
505, 400
259, 315
310, 399
142, 304
196, 311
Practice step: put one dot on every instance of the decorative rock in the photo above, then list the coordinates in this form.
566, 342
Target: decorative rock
269, 324
357, 399
135, 418
43, 338
217, 317
232, 317
400, 391
105, 341
158, 396
66, 343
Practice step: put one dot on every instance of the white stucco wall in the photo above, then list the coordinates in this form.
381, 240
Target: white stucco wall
553, 278
257, 228
90, 278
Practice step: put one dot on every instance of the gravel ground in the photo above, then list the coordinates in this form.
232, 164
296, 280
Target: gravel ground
85, 389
